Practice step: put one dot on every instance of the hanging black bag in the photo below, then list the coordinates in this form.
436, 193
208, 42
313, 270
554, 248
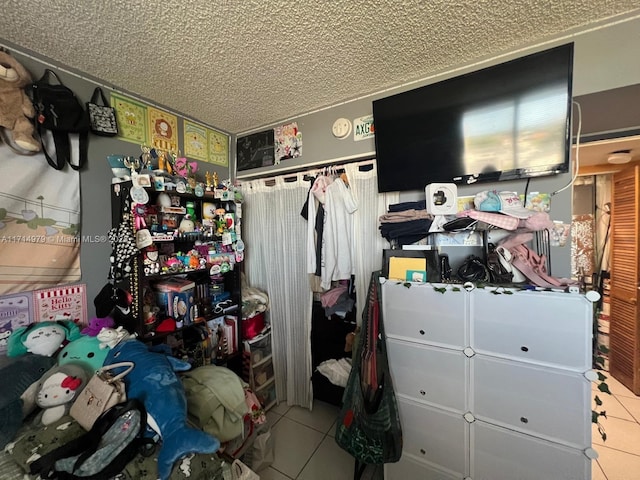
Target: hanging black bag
59, 111
102, 118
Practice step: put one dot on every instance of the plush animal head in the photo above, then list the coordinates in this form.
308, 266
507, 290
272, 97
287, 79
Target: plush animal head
12, 73
110, 337
42, 338
84, 351
15, 107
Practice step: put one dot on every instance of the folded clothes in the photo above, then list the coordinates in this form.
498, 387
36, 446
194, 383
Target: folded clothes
392, 231
404, 216
399, 207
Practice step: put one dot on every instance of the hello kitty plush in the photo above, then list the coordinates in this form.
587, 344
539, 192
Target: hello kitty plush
57, 390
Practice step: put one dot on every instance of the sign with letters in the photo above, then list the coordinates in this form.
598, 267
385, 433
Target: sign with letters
363, 128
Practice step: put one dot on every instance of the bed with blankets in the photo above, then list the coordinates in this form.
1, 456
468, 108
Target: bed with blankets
191, 413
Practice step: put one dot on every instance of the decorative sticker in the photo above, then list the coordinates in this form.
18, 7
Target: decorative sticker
195, 141
163, 130
61, 303
15, 311
218, 148
132, 119
363, 128
288, 142
538, 202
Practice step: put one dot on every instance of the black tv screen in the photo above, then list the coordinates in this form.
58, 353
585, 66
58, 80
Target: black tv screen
505, 122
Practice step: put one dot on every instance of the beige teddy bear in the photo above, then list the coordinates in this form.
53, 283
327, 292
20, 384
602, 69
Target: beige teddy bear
15, 107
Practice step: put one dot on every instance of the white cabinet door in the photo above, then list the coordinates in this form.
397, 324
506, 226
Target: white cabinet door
420, 313
538, 400
431, 374
538, 327
435, 436
410, 468
501, 454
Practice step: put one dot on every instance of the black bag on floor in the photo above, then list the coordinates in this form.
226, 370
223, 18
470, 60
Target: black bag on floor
103, 452
59, 111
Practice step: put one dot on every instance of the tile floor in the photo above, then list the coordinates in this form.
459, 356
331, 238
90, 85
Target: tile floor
619, 455
305, 448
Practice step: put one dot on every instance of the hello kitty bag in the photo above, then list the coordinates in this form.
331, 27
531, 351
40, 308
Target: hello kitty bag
103, 391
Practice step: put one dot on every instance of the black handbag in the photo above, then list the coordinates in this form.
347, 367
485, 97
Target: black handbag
102, 118
59, 111
368, 426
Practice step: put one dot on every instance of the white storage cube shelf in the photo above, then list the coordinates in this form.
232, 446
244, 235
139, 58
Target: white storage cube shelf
489, 385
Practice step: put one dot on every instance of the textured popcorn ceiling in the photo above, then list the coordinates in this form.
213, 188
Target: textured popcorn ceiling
240, 64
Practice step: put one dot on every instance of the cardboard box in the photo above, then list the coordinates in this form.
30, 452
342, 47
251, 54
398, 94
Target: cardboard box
178, 305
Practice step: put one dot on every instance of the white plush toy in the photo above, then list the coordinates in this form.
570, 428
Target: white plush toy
110, 337
57, 390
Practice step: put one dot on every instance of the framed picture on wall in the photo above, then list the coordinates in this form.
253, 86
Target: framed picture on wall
256, 150
218, 148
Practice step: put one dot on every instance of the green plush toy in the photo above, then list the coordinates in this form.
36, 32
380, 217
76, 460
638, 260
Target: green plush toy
41, 338
84, 351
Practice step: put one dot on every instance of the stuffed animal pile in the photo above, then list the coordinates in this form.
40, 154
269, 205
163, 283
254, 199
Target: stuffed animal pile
60, 361
16, 109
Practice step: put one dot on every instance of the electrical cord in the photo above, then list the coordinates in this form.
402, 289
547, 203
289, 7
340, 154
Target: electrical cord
577, 165
473, 270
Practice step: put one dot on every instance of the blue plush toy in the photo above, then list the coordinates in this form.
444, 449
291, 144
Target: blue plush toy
154, 382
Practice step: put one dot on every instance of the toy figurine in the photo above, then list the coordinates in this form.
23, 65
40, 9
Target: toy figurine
215, 180
132, 163
207, 177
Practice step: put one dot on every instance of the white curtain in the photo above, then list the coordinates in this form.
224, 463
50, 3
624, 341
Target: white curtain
275, 261
275, 236
368, 241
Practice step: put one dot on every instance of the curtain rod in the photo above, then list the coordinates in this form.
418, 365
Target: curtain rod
283, 171
309, 171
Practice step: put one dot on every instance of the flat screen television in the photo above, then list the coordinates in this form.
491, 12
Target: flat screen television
505, 122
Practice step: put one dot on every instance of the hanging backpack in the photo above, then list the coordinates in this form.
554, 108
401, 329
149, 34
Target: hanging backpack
59, 111
104, 451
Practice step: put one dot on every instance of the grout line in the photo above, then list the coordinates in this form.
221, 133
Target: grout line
311, 456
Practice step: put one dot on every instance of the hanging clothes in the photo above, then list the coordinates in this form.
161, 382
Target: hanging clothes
338, 253
315, 223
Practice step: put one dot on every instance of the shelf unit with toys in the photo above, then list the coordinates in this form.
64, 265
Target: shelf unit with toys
187, 269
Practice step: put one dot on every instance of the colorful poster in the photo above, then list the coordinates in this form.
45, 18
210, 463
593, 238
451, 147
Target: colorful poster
61, 303
195, 141
15, 311
218, 148
132, 119
39, 224
288, 141
163, 130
